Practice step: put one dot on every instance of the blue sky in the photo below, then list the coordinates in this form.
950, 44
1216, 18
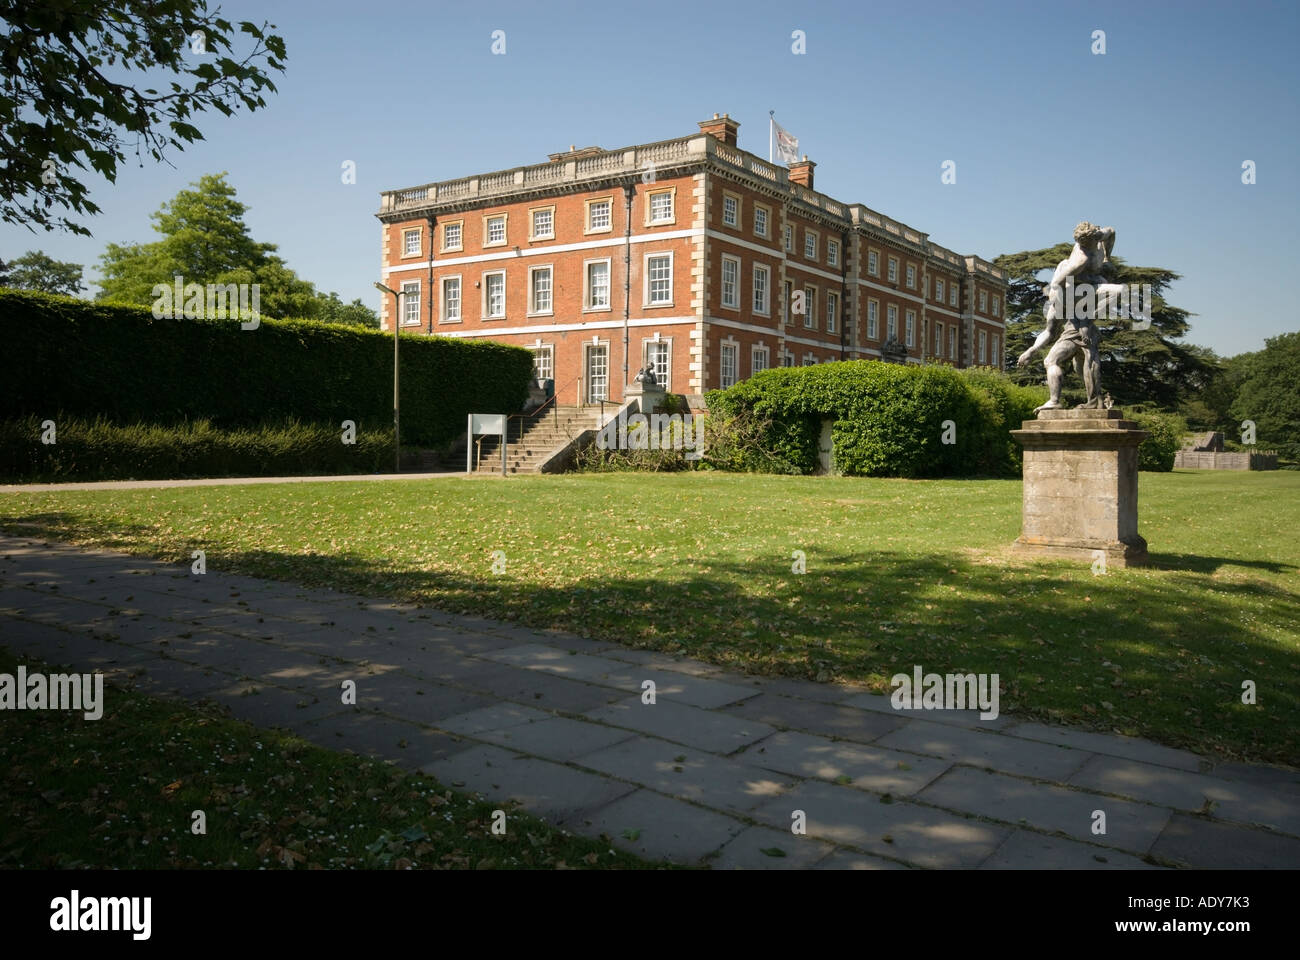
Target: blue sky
1149, 137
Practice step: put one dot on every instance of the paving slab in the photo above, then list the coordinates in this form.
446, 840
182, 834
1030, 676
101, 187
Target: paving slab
763, 848
557, 793
902, 830
268, 706
536, 688
79, 648
1190, 792
881, 703
1197, 842
370, 734
852, 860
867, 768
811, 716
496, 717
252, 624
417, 700
986, 749
1129, 826
558, 738
676, 771
1026, 850
173, 679
1108, 744
704, 729
658, 828
806, 689
1274, 777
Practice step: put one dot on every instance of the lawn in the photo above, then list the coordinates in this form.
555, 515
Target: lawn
898, 573
120, 792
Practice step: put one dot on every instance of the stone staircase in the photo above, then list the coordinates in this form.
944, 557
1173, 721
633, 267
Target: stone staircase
532, 440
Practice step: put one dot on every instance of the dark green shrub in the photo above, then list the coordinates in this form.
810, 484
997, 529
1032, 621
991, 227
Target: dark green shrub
96, 449
1167, 430
889, 419
86, 359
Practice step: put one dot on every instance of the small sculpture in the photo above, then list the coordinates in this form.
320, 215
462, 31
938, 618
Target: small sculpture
646, 377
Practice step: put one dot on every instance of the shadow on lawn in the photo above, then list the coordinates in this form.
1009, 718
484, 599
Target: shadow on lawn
1159, 653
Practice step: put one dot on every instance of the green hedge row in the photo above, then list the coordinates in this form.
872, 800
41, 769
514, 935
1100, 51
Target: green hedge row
96, 449
77, 358
1156, 452
889, 419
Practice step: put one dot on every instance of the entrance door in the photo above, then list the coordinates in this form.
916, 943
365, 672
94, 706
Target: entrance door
597, 373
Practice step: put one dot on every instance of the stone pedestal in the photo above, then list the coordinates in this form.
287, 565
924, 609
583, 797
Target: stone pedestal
649, 397
1081, 486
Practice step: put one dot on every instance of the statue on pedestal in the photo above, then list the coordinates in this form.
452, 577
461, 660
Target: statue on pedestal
1073, 324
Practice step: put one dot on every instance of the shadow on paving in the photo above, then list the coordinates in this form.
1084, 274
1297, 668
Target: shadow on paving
1160, 654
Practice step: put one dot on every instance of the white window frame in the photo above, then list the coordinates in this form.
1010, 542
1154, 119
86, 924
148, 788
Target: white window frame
788, 238
766, 211
587, 305
487, 296
938, 338
407, 299
549, 367
666, 343
984, 348
997, 306
460, 236
984, 301
909, 328
891, 322
588, 228
873, 319
645, 270
487, 229
952, 294
938, 290
810, 308
873, 263
811, 239
736, 219
765, 308
728, 349
734, 302
532, 290
532, 222
911, 277
443, 315
650, 196
832, 253
587, 348
832, 310
892, 275
419, 242
996, 352
755, 352
952, 342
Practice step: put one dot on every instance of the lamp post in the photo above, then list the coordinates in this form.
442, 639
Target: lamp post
397, 423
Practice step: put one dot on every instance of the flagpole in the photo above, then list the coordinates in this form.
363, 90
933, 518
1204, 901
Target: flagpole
771, 121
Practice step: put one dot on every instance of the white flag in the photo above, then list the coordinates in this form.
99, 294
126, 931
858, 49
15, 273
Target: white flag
787, 144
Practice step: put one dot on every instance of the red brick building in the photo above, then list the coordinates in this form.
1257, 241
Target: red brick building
691, 256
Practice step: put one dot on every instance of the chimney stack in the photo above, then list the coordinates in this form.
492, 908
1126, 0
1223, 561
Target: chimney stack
722, 127
801, 172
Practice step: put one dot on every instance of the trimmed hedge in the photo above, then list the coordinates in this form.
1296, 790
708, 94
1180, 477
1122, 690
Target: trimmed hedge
1156, 452
74, 358
889, 419
99, 450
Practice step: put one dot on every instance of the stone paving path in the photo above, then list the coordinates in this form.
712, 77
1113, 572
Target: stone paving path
710, 773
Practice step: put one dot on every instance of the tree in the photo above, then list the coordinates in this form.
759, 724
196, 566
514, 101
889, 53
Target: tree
4, 274
355, 314
205, 240
1269, 394
34, 270
1137, 366
60, 111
